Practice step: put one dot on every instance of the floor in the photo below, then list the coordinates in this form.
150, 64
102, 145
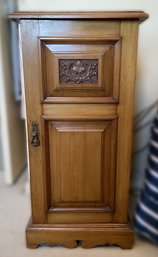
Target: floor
14, 214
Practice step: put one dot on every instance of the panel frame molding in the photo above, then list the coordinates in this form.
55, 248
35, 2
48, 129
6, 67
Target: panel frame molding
54, 214
116, 41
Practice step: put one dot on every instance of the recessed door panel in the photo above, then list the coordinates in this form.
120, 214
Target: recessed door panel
82, 166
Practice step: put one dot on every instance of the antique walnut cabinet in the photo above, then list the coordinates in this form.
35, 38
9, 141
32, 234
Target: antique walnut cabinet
79, 75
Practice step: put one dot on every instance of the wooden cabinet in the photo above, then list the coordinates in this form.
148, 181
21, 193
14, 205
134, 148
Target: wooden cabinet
79, 73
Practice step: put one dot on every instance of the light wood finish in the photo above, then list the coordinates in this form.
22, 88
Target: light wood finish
107, 54
76, 141
80, 123
79, 111
83, 29
80, 40
72, 156
129, 32
121, 15
91, 235
32, 82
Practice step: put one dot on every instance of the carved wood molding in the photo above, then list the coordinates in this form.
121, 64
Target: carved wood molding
80, 71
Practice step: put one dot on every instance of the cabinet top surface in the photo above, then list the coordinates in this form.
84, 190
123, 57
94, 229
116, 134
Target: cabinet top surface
114, 15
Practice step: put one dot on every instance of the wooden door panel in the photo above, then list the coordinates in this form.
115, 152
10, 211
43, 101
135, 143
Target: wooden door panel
80, 68
81, 166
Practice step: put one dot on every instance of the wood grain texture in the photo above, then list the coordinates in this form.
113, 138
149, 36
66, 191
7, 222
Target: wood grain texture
80, 68
80, 171
121, 15
32, 80
129, 32
87, 29
73, 162
82, 111
91, 235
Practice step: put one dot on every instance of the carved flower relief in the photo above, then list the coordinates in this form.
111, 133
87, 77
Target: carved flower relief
78, 71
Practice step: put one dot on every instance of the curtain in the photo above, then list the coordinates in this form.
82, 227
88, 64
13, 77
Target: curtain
146, 215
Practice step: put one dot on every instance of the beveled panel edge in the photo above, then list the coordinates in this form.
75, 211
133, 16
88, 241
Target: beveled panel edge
115, 40
109, 207
112, 15
85, 99
79, 117
74, 57
109, 38
81, 209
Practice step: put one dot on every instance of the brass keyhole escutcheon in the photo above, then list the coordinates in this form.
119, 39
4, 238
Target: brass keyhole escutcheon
35, 134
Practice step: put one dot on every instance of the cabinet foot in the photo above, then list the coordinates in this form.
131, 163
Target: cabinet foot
90, 235
124, 244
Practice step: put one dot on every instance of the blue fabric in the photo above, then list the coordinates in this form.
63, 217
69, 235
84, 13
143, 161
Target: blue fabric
146, 216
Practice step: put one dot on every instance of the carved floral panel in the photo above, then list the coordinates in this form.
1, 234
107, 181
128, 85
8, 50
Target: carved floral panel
81, 71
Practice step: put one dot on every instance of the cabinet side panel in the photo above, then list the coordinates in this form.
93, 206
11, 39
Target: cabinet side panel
129, 33
32, 80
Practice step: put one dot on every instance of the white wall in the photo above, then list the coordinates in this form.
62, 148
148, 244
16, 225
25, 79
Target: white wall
147, 72
12, 126
147, 76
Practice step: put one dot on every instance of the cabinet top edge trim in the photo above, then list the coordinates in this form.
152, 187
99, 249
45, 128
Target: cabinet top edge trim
110, 15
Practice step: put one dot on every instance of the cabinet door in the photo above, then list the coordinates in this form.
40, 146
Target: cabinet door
81, 162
